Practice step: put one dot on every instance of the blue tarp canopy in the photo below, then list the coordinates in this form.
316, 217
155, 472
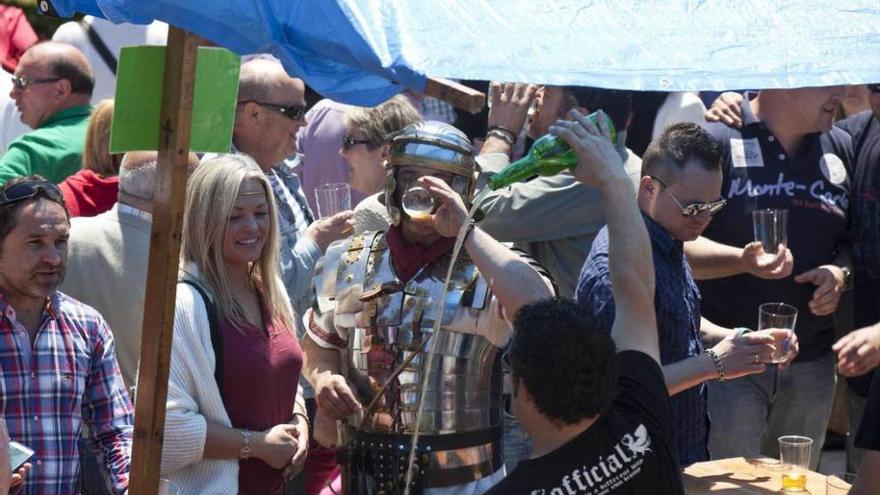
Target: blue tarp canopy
363, 51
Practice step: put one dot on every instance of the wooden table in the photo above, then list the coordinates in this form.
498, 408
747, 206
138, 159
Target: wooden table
747, 476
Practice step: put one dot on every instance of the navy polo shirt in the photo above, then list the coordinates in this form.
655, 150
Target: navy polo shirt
677, 304
814, 185
865, 226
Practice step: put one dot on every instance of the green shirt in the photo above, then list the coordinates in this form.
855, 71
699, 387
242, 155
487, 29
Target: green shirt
53, 150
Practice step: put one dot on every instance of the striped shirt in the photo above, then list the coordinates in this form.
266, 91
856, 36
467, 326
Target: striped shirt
47, 391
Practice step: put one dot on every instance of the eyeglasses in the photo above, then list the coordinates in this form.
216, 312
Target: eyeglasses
20, 83
693, 209
348, 141
292, 112
874, 88
29, 189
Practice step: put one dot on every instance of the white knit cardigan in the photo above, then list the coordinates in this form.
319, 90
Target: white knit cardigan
193, 400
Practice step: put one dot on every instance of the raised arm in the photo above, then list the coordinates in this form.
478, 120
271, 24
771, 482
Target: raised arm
513, 280
630, 261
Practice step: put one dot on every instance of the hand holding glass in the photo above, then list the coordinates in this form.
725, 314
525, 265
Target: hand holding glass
771, 230
778, 320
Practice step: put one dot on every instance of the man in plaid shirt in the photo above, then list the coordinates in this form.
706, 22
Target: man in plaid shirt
58, 365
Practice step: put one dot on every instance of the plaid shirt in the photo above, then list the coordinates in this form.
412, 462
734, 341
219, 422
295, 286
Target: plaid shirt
70, 375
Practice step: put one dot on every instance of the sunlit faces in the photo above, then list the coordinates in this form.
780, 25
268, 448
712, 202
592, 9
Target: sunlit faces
36, 101
550, 106
692, 184
421, 231
278, 131
365, 165
248, 225
34, 253
815, 107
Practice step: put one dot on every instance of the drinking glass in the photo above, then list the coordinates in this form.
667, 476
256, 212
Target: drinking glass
778, 320
794, 455
839, 483
168, 487
418, 203
771, 230
333, 198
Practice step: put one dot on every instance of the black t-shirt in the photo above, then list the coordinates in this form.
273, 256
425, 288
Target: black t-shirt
813, 185
869, 431
865, 226
628, 450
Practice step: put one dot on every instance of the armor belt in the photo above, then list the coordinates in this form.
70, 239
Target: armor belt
378, 460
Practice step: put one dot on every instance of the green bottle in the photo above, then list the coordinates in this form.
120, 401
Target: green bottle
550, 155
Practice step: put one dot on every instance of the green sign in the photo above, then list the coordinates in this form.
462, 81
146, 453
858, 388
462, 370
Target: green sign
138, 100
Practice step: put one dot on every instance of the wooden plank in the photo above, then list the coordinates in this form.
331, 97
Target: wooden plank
457, 95
761, 476
168, 203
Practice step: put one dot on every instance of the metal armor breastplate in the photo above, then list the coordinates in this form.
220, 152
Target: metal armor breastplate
387, 322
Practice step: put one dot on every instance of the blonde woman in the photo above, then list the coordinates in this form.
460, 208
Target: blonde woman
235, 422
93, 189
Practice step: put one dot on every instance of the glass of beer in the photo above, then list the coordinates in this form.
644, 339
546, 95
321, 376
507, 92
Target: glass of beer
794, 456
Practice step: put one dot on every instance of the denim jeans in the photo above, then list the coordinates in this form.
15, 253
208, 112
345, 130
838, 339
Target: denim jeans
516, 445
749, 414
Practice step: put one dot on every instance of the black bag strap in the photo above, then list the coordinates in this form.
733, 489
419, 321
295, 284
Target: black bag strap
216, 335
106, 55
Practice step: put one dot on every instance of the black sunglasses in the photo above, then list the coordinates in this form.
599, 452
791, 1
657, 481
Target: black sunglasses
874, 88
693, 209
348, 141
20, 83
29, 189
292, 112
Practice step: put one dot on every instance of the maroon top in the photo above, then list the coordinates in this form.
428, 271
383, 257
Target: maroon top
261, 369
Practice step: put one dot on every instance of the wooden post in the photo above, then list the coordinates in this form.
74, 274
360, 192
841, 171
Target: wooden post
457, 95
168, 203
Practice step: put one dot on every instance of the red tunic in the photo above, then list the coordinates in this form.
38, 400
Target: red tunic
261, 369
87, 194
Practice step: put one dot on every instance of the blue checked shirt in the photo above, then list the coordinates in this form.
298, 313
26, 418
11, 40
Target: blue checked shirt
677, 303
47, 391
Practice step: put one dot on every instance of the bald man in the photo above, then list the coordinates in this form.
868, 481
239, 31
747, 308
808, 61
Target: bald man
52, 87
271, 108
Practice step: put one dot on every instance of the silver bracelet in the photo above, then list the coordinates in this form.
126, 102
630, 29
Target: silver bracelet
718, 366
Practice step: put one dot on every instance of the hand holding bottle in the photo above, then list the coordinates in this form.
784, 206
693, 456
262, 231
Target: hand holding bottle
598, 162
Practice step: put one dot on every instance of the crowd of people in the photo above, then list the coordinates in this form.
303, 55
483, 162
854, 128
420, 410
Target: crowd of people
598, 332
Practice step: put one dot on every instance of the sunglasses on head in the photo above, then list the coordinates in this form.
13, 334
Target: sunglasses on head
874, 88
29, 189
348, 141
292, 112
693, 209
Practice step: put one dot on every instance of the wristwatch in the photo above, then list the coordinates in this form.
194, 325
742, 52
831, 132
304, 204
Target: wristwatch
245, 452
847, 277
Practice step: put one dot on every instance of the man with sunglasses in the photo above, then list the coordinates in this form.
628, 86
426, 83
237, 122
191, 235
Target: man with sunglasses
785, 155
52, 87
57, 354
679, 192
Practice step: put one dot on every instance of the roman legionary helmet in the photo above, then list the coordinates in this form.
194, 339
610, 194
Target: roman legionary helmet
434, 145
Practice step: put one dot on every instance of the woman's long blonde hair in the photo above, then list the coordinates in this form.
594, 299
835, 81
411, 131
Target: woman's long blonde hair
96, 151
210, 198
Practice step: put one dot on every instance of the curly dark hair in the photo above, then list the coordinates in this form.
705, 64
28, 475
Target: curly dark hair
616, 103
568, 367
678, 145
